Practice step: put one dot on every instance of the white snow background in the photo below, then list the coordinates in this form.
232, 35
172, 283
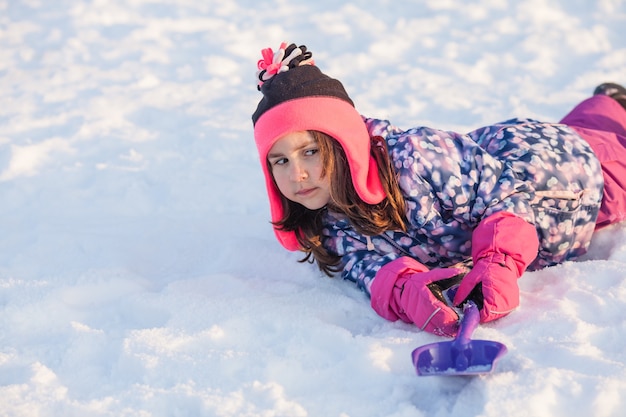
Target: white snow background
139, 275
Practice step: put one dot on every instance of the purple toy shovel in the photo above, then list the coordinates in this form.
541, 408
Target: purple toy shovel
462, 356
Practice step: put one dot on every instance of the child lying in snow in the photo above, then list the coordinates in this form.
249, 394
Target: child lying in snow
403, 213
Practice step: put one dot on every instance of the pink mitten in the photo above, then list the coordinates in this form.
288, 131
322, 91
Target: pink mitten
405, 289
502, 247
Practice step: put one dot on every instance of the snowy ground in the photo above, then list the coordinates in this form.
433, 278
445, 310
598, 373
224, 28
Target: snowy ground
139, 275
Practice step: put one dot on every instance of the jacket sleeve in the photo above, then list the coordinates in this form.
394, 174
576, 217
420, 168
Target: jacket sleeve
362, 266
359, 261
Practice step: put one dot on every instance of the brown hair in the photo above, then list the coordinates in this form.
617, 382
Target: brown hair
367, 219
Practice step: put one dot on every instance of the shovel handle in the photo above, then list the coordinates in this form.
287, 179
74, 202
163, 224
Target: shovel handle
469, 322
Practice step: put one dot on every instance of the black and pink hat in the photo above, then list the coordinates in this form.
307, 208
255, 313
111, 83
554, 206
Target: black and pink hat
297, 96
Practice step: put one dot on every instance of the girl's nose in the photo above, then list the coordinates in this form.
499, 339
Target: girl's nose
299, 173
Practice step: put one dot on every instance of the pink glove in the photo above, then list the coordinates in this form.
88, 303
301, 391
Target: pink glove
402, 290
502, 247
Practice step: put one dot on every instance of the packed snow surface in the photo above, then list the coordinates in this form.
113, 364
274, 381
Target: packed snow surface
139, 275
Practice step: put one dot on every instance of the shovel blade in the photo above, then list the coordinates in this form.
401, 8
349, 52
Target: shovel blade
447, 358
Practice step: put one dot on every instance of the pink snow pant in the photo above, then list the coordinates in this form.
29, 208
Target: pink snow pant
601, 121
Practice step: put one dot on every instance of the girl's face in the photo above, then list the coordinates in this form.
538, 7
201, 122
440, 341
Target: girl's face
297, 168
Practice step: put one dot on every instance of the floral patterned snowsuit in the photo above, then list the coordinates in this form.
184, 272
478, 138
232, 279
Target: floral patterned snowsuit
545, 173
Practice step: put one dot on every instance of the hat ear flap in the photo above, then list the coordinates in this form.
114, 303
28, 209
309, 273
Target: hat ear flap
297, 96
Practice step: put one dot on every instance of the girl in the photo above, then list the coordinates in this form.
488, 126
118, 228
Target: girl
405, 213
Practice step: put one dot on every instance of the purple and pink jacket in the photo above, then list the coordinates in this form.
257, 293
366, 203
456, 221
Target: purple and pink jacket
552, 175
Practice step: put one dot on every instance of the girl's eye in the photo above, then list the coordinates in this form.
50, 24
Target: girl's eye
310, 152
280, 161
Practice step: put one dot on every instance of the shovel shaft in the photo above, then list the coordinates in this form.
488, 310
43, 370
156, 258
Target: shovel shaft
471, 318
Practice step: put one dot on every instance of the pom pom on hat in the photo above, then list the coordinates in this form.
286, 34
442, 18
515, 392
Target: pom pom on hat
280, 61
282, 79
297, 96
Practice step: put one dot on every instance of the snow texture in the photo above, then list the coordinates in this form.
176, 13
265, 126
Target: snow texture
139, 275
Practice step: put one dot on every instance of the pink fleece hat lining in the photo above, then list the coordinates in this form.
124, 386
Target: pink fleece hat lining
334, 117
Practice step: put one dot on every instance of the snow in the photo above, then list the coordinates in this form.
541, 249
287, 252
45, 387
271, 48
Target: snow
139, 275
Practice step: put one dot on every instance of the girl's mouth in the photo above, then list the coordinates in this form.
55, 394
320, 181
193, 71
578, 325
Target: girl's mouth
305, 192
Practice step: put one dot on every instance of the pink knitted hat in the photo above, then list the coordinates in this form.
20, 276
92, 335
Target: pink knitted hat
297, 96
